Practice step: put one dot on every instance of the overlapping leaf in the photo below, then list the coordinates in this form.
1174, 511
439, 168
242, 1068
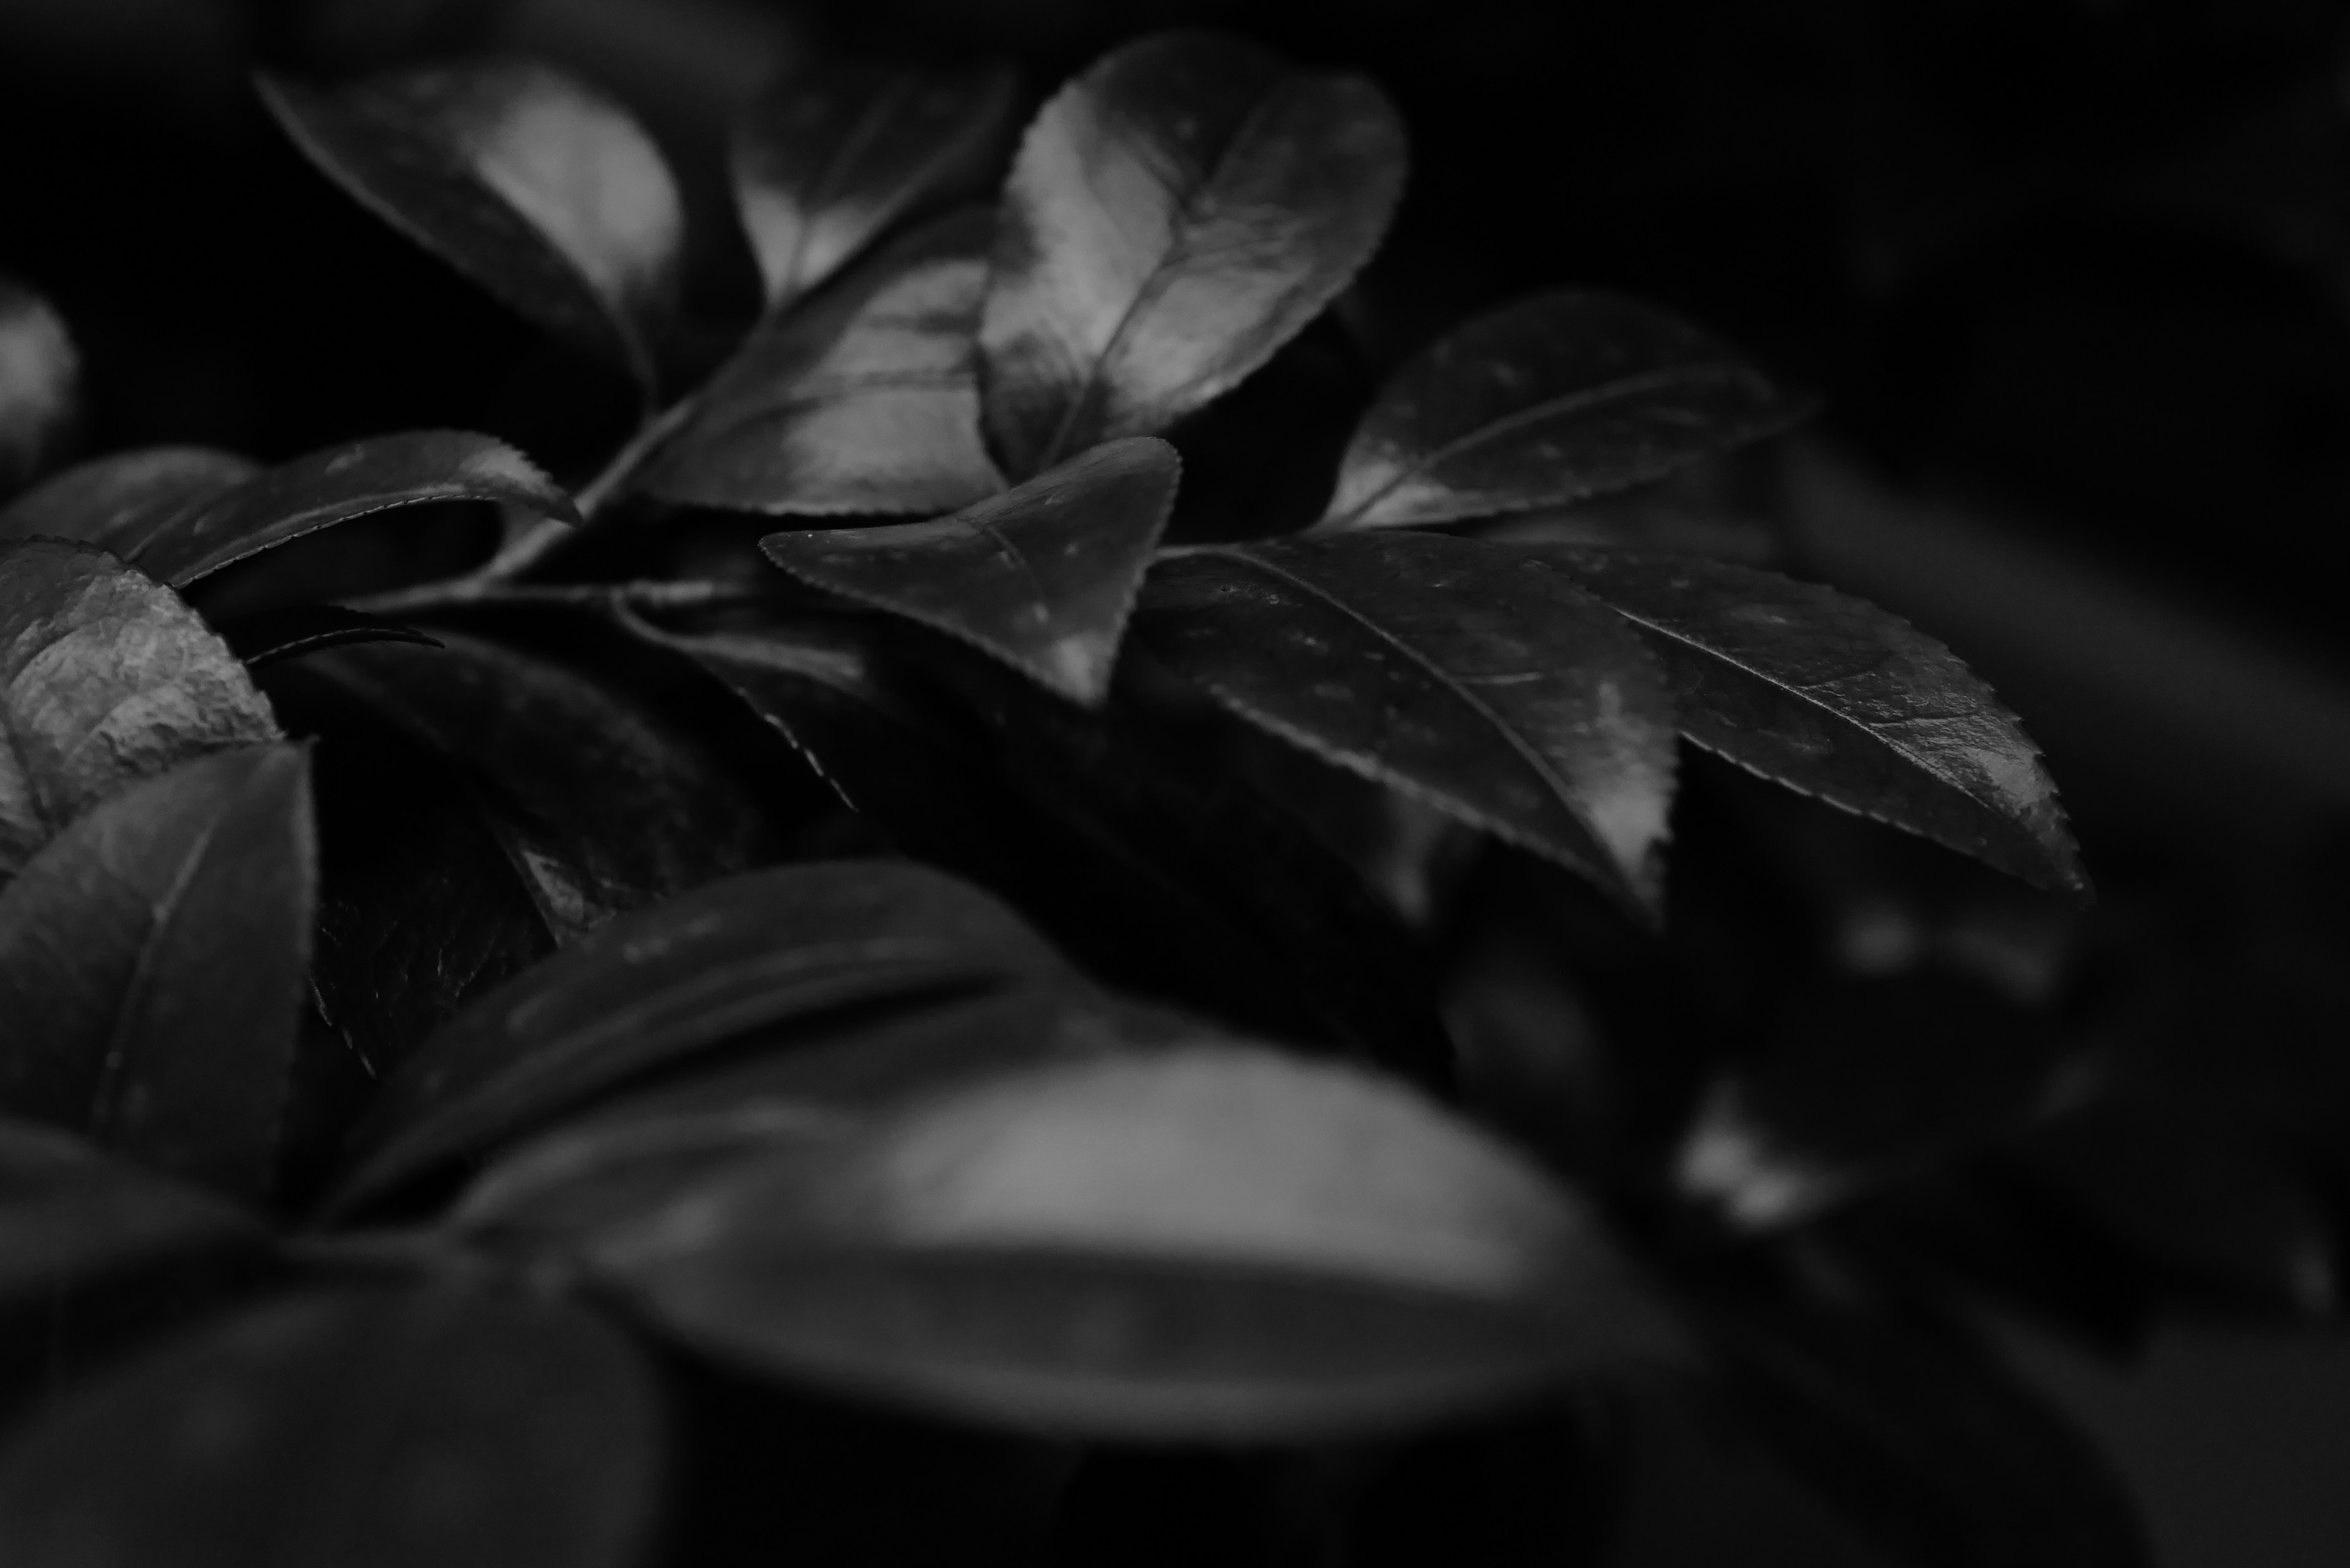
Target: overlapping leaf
832, 154
296, 629
1042, 576
438, 1428
40, 385
1556, 397
866, 400
151, 963
69, 1214
546, 193
1833, 697
1174, 215
122, 501
1459, 671
105, 678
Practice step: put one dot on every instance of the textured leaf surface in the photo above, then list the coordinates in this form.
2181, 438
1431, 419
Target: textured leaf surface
440, 1428
1460, 672
650, 988
1832, 696
866, 400
297, 630
1212, 1242
151, 964
1174, 215
1042, 576
40, 384
833, 154
69, 1214
122, 501
105, 678
546, 194
1559, 397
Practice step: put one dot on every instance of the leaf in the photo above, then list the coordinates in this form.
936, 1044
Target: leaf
69, 1214
832, 156
1835, 698
1174, 215
40, 385
1042, 576
647, 988
1456, 671
1562, 396
151, 963
432, 1428
340, 482
105, 678
122, 501
544, 193
296, 629
865, 400
1208, 1242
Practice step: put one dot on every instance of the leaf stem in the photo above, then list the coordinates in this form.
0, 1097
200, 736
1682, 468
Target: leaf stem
527, 548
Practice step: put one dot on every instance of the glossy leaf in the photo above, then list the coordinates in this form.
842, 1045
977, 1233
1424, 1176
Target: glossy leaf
69, 1214
122, 501
296, 629
337, 484
546, 193
105, 678
650, 988
1833, 697
1556, 397
40, 385
1457, 671
833, 154
151, 963
436, 1429
1212, 1242
1174, 215
1042, 576
865, 400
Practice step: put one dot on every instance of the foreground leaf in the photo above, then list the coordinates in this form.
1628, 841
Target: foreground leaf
1211, 1242
748, 953
152, 965
867, 401
1553, 399
296, 629
833, 154
120, 502
437, 1429
546, 194
69, 1214
40, 385
105, 678
1040, 577
1833, 697
1175, 215
1457, 671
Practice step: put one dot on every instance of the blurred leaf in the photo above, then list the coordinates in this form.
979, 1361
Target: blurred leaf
544, 193
151, 964
1208, 1242
1174, 215
69, 1214
122, 501
865, 400
1042, 576
105, 678
835, 153
1553, 399
40, 386
296, 629
441, 1428
1832, 697
655, 986
1458, 672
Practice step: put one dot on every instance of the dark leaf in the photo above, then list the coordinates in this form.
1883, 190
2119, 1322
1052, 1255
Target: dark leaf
442, 1428
121, 501
1559, 397
834, 154
297, 630
1833, 697
40, 386
69, 1214
105, 678
1211, 1241
867, 401
1174, 215
649, 988
1042, 576
337, 484
1458, 671
151, 964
